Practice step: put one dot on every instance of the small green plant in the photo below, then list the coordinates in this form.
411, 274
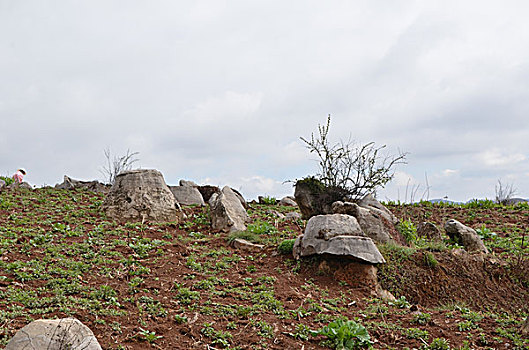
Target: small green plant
286, 246
485, 233
345, 335
8, 180
430, 260
416, 333
149, 336
408, 230
401, 303
422, 318
268, 200
437, 344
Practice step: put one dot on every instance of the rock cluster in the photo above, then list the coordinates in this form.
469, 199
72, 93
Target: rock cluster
94, 186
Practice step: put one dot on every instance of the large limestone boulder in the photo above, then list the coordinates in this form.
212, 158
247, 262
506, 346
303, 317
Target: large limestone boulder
61, 334
374, 222
227, 212
139, 195
70, 184
465, 236
187, 195
187, 183
336, 234
313, 198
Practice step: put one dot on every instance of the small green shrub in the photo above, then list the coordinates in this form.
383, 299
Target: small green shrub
408, 230
345, 335
286, 246
430, 260
8, 180
416, 333
422, 318
268, 200
437, 344
246, 235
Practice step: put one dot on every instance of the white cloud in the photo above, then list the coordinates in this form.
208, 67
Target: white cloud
499, 158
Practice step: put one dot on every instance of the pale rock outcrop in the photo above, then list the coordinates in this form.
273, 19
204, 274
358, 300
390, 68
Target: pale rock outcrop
370, 202
187, 183
375, 223
288, 201
139, 195
336, 234
227, 212
70, 184
465, 236
187, 195
61, 334
430, 231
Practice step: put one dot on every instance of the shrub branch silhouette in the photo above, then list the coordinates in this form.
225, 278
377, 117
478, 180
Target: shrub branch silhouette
355, 168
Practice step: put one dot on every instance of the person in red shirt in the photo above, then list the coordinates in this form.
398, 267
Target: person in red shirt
19, 175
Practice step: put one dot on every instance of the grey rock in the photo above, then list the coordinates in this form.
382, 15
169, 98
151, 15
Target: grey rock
370, 202
288, 202
244, 245
139, 195
71, 184
187, 183
327, 226
276, 214
310, 200
241, 198
293, 215
16, 185
227, 212
336, 234
2, 183
187, 195
373, 221
207, 191
61, 334
430, 231
465, 236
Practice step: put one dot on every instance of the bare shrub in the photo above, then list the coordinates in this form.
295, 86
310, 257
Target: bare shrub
504, 193
116, 165
358, 169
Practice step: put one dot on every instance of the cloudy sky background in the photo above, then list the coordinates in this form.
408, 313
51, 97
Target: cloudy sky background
219, 92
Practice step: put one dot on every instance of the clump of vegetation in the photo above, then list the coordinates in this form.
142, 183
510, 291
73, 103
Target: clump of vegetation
286, 246
8, 180
408, 230
345, 335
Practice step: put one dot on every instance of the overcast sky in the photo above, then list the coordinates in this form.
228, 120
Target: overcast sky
219, 92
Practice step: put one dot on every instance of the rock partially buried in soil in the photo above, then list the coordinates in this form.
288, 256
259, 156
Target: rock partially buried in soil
187, 195
227, 212
288, 201
336, 234
139, 195
243, 244
465, 236
374, 222
70, 184
65, 333
430, 231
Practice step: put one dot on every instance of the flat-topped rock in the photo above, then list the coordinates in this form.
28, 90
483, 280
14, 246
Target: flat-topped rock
139, 195
187, 195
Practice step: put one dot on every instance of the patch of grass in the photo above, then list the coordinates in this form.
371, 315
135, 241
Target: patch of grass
345, 334
286, 246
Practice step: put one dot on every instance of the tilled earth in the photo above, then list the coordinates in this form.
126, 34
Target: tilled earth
182, 286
